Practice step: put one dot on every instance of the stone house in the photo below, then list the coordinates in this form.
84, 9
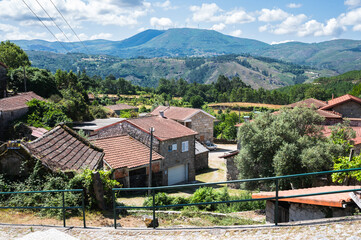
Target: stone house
12, 108
202, 153
173, 141
195, 119
60, 149
129, 159
3, 80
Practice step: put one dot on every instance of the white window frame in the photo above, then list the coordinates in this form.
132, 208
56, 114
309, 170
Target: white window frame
174, 147
185, 146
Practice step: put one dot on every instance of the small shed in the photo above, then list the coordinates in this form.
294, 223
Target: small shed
202, 153
309, 207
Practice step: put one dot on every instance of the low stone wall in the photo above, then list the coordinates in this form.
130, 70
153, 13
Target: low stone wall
232, 172
201, 161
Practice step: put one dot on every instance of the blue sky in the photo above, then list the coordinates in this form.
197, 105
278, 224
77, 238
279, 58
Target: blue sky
269, 21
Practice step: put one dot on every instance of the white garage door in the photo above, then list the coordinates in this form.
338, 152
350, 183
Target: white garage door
177, 174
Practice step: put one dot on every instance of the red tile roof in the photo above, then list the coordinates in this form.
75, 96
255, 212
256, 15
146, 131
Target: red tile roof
165, 129
18, 101
37, 132
120, 106
308, 103
125, 151
331, 200
357, 140
329, 114
178, 113
63, 149
340, 100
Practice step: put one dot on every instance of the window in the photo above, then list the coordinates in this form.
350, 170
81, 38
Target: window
169, 148
185, 146
174, 147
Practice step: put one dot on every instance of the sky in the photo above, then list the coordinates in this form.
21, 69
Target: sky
270, 21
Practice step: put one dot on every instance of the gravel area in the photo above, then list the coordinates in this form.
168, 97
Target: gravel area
340, 228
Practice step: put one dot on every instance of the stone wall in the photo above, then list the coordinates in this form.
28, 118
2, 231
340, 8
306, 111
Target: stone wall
14, 163
7, 117
203, 124
111, 131
232, 172
177, 157
201, 161
349, 109
141, 136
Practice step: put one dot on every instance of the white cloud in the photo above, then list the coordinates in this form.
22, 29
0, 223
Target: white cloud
238, 16
352, 17
290, 25
218, 27
267, 15
294, 5
101, 36
161, 22
280, 42
166, 5
353, 3
264, 28
206, 13
236, 33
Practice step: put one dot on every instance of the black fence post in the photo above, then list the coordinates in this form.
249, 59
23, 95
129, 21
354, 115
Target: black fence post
114, 210
276, 204
153, 193
83, 207
63, 193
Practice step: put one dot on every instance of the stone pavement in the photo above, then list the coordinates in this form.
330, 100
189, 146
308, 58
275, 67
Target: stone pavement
341, 228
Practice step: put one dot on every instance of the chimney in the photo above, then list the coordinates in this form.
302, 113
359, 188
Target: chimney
161, 113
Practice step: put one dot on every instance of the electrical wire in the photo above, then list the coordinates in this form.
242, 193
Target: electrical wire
70, 27
55, 23
48, 30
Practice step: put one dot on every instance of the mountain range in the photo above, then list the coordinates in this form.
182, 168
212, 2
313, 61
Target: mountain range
339, 55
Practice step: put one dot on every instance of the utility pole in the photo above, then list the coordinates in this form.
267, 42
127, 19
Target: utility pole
150, 159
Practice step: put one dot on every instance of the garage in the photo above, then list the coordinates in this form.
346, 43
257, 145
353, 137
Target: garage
177, 174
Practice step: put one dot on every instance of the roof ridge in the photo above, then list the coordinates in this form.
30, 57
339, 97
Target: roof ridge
106, 137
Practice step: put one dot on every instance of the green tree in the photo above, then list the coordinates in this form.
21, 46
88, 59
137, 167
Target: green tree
12, 55
197, 101
290, 142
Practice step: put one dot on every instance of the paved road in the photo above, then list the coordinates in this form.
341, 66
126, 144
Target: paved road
341, 228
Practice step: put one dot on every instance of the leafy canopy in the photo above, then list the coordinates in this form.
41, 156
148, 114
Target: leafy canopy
12, 55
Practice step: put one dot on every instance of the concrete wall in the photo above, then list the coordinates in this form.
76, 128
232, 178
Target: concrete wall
349, 109
290, 212
7, 117
201, 161
232, 172
203, 124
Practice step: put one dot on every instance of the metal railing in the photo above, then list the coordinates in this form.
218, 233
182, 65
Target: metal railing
63, 207
276, 198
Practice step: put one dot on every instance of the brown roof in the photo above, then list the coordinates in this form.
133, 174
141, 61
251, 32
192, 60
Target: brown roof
327, 131
331, 200
229, 154
178, 113
164, 128
63, 149
37, 132
125, 151
120, 106
18, 101
329, 114
340, 100
308, 103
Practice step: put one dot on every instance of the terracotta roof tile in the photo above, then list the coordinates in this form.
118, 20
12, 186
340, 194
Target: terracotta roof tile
328, 114
357, 140
331, 200
177, 113
37, 132
340, 100
120, 106
18, 101
125, 151
61, 148
308, 103
164, 128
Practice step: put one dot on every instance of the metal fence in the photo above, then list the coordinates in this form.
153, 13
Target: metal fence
63, 207
153, 191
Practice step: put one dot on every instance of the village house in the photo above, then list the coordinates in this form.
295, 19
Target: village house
91, 127
3, 80
12, 108
195, 119
60, 149
129, 159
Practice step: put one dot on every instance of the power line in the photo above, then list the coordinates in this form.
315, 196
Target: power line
49, 30
54, 22
70, 27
